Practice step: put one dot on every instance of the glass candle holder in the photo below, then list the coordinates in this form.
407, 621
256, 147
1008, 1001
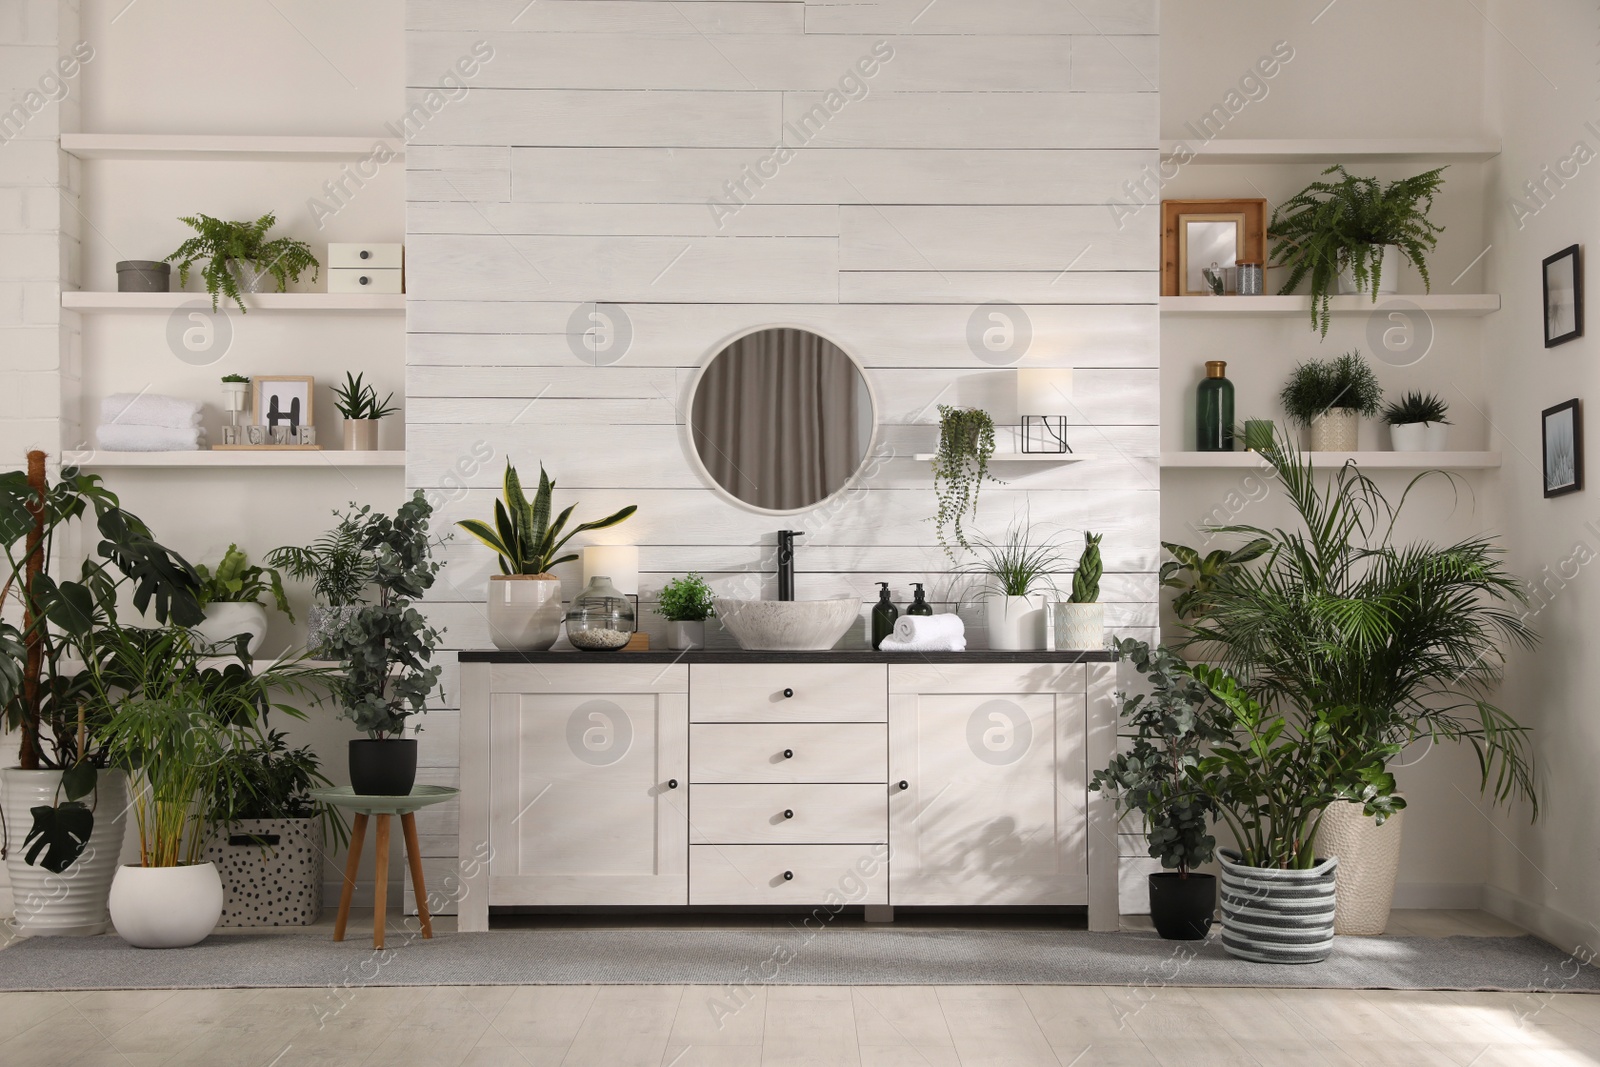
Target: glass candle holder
601, 618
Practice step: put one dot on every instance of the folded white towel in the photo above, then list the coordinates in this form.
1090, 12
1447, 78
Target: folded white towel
932, 644
150, 438
149, 409
927, 633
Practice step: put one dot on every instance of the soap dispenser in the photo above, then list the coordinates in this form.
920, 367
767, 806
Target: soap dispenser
919, 606
884, 614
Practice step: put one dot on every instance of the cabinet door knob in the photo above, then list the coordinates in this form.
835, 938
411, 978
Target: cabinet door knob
904, 784
788, 753
365, 279
672, 783
365, 254
788, 692
788, 813
788, 876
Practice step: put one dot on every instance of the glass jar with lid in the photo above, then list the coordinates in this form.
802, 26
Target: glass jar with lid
601, 618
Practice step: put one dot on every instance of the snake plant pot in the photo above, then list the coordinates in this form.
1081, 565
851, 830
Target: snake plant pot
1419, 436
166, 907
682, 636
361, 435
271, 872
1182, 908
143, 276
224, 622
1369, 862
1388, 281
525, 611
1016, 623
1270, 915
1336, 430
386, 768
1080, 627
72, 903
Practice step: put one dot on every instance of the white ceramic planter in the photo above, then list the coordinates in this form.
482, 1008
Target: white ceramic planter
1080, 627
524, 611
1336, 430
682, 636
1016, 623
224, 621
1389, 282
166, 907
72, 903
1419, 437
235, 396
1369, 863
361, 435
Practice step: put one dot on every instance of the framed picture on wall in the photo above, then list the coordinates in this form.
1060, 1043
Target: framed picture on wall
1201, 237
1563, 449
284, 401
1563, 297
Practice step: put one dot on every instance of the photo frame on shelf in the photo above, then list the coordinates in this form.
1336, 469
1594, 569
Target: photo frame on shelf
284, 401
1197, 233
1562, 435
1563, 297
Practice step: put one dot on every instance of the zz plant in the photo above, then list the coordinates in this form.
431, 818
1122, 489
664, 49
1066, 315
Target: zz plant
524, 536
226, 247
966, 444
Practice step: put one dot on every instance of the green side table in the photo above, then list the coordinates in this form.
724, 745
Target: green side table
384, 808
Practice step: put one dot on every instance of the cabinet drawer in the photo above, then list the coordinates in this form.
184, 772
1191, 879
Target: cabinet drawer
816, 814
789, 752
817, 874
365, 256
789, 692
363, 280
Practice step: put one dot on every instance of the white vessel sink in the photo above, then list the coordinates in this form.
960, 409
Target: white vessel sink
788, 625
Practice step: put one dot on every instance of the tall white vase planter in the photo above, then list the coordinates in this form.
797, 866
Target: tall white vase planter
524, 611
1016, 623
1369, 862
74, 902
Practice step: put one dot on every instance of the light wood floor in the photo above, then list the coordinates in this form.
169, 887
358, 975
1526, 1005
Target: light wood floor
869, 1026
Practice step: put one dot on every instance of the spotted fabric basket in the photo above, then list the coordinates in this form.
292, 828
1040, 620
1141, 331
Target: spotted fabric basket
271, 872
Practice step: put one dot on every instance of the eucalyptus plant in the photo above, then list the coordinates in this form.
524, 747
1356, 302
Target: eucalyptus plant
227, 246
524, 536
1318, 386
960, 467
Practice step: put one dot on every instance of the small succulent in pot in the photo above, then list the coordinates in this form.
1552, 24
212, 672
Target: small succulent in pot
1418, 423
358, 403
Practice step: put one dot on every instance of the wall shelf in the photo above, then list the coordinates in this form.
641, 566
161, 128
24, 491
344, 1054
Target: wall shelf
325, 458
1372, 460
1470, 304
1020, 457
79, 300
223, 147
1336, 150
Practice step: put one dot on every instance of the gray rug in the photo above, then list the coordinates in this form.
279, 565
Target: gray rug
832, 956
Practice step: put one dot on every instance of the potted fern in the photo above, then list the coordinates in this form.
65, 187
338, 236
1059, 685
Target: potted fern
1330, 396
686, 603
238, 258
361, 409
966, 443
1417, 423
1352, 233
1081, 618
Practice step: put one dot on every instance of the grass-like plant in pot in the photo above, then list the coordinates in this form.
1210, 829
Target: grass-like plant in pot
1351, 233
686, 603
1418, 422
1330, 396
231, 597
960, 467
361, 409
1081, 618
1018, 572
525, 597
238, 258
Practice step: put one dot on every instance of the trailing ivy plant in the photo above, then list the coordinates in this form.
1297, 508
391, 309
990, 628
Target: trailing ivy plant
1332, 226
966, 443
1317, 386
228, 246
1416, 407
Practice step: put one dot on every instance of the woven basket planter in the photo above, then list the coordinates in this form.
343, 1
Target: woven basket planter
1276, 916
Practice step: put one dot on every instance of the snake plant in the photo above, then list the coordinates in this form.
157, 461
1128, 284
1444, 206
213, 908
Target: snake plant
523, 535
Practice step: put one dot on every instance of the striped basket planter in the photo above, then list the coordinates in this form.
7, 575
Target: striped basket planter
1277, 916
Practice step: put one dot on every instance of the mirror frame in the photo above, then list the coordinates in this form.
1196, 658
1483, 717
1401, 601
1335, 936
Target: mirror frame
693, 453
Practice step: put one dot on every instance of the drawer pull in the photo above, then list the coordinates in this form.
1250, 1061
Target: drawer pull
788, 753
788, 692
788, 813
366, 253
672, 783
788, 876
904, 784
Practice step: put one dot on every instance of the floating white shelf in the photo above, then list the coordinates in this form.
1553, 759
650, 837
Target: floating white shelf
1021, 457
328, 458
78, 300
223, 147
1373, 460
1472, 304
1336, 150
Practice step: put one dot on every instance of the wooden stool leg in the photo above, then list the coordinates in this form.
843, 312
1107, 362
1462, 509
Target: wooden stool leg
380, 884
357, 834
408, 823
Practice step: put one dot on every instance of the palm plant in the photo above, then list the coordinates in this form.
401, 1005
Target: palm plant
337, 563
227, 246
524, 536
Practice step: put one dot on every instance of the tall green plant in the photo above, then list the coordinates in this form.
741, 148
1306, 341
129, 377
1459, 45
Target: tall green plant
1086, 578
227, 246
960, 467
524, 536
1195, 575
1017, 565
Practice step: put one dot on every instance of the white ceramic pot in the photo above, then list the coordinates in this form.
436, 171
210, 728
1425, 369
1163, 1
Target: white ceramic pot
1080, 627
1336, 430
682, 636
223, 622
1388, 281
72, 903
524, 611
166, 907
235, 396
361, 435
1419, 436
1369, 862
1016, 623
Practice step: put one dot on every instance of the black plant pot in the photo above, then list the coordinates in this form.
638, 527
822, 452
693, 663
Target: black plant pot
1182, 908
383, 768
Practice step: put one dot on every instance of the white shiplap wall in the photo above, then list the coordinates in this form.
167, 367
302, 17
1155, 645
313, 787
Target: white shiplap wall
979, 166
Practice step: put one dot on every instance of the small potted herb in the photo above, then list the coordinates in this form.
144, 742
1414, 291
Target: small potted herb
231, 598
1081, 618
358, 403
1417, 423
239, 259
1352, 233
1330, 396
686, 604
1018, 573
966, 443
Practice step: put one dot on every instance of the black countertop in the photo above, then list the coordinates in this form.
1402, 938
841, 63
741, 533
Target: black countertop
851, 655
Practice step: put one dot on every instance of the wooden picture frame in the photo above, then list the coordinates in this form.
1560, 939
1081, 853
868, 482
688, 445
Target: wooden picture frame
1563, 315
295, 396
1252, 246
1561, 440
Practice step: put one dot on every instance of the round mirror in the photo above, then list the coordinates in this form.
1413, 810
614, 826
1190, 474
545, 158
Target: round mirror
781, 419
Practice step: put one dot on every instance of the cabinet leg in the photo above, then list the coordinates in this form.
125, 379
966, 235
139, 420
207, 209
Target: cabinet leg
408, 824
880, 913
380, 880
358, 833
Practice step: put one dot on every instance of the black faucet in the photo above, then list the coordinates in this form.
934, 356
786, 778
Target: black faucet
786, 563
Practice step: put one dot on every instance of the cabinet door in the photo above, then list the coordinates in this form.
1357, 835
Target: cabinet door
590, 790
993, 761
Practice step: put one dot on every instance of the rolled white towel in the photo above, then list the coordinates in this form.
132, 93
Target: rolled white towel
915, 628
149, 409
118, 438
932, 644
